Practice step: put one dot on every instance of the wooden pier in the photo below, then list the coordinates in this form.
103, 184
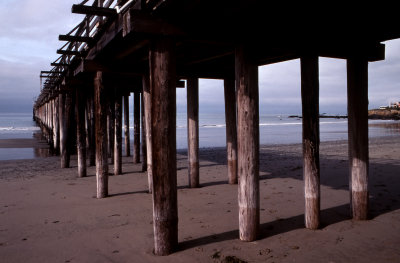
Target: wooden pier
151, 47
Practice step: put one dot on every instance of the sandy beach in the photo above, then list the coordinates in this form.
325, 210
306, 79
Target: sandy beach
47, 214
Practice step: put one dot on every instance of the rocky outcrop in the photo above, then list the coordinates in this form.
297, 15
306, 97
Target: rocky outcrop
384, 114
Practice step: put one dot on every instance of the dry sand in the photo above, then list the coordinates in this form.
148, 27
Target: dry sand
47, 214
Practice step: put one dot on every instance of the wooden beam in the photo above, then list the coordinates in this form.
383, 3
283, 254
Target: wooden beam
193, 131
248, 144
140, 22
311, 170
75, 38
231, 129
59, 64
163, 141
357, 97
180, 84
69, 52
93, 10
100, 103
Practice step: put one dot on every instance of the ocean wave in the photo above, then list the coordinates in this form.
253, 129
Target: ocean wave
212, 126
11, 128
280, 124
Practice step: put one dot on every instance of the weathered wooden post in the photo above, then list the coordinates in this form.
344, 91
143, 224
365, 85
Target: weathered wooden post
111, 123
144, 144
193, 131
80, 131
231, 129
92, 130
248, 144
56, 126
147, 119
311, 170
63, 131
100, 103
50, 122
118, 136
357, 97
163, 130
126, 126
136, 127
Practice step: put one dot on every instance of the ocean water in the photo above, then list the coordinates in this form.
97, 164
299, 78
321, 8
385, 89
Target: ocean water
274, 129
17, 125
277, 129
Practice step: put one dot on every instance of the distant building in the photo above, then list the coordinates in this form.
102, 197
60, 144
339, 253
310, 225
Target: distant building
395, 105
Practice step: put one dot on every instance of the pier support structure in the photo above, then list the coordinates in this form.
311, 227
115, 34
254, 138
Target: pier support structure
80, 131
248, 144
111, 123
163, 130
311, 169
231, 129
136, 127
193, 131
118, 135
147, 119
126, 126
100, 103
143, 127
357, 97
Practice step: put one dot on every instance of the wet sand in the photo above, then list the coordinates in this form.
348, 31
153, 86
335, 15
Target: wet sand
47, 214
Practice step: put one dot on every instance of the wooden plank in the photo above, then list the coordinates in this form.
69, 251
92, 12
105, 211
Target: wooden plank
59, 64
141, 22
109, 32
136, 127
231, 129
51, 72
311, 170
147, 118
93, 10
69, 52
80, 132
70, 38
357, 97
118, 136
126, 126
163, 141
193, 131
180, 84
100, 103
248, 144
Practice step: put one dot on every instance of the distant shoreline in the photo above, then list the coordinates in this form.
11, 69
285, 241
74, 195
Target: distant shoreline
384, 114
374, 114
322, 116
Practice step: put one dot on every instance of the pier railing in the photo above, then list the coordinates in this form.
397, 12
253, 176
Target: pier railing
79, 40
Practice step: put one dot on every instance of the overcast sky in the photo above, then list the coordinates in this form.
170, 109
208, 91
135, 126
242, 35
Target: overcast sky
29, 40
